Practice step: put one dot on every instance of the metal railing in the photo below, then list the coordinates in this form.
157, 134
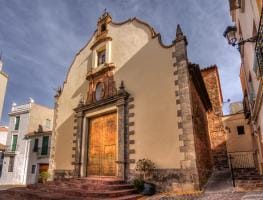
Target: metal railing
20, 108
259, 48
11, 150
241, 160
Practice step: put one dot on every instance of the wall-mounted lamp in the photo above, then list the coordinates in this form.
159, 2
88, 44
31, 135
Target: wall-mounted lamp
230, 35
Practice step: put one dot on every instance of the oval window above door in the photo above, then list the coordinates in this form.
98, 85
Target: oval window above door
99, 93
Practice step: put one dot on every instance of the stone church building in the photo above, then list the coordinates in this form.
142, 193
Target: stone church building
127, 96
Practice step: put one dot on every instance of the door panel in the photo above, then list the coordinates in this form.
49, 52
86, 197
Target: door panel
102, 145
43, 168
109, 166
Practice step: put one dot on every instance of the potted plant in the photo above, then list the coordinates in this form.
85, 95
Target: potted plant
44, 176
138, 183
145, 168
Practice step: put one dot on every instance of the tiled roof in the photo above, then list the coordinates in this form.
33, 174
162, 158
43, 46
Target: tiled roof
219, 83
208, 68
3, 129
35, 134
2, 147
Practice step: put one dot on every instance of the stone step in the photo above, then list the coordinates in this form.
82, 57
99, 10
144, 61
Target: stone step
106, 181
106, 187
103, 181
98, 193
83, 188
37, 195
129, 197
86, 186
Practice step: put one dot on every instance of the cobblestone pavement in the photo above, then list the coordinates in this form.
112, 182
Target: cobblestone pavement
219, 187
213, 196
6, 187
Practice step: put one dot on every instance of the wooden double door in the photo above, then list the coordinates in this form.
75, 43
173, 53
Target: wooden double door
102, 145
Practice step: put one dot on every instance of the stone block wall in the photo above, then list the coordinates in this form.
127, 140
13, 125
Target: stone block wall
215, 122
201, 137
187, 175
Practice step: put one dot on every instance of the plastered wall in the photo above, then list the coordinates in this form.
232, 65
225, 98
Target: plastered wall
146, 69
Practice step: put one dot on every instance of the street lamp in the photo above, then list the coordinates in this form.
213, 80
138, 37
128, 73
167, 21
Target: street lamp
230, 35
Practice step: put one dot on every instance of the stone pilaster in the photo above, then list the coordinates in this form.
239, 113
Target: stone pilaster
131, 135
77, 147
121, 138
52, 165
184, 110
122, 133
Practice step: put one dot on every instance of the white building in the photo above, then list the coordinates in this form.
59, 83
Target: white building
247, 36
27, 150
3, 138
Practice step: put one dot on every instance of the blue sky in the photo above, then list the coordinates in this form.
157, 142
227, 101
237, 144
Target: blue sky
39, 39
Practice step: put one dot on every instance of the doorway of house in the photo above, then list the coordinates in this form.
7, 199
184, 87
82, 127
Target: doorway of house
42, 168
102, 145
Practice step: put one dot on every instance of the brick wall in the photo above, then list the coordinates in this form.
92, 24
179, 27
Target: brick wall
215, 123
201, 137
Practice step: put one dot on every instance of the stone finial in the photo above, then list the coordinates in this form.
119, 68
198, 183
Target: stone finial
81, 100
180, 35
122, 86
122, 89
31, 100
105, 14
58, 92
40, 128
179, 31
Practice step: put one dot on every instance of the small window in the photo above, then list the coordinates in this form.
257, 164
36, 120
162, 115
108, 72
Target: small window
99, 93
33, 170
11, 164
48, 123
44, 149
14, 143
103, 27
35, 149
17, 121
240, 130
101, 57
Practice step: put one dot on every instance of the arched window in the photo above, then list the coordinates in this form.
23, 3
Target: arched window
103, 27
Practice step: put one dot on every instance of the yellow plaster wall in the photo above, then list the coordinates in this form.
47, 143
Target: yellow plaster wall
38, 115
148, 77
3, 84
237, 142
147, 71
75, 86
128, 39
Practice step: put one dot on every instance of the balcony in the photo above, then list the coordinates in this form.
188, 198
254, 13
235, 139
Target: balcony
11, 149
43, 152
258, 67
21, 108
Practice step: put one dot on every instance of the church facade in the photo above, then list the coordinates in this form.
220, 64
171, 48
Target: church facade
127, 97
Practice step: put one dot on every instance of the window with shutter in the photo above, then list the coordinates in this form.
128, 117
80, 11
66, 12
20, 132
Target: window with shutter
35, 149
44, 149
14, 143
17, 122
